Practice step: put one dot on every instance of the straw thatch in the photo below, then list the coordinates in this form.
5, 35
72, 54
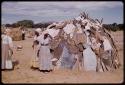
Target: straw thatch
16, 34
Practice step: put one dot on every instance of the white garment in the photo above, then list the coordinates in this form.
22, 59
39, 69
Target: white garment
71, 35
69, 28
78, 18
87, 27
41, 39
79, 28
45, 56
94, 44
53, 32
87, 37
90, 61
38, 30
23, 31
84, 21
7, 40
107, 45
88, 41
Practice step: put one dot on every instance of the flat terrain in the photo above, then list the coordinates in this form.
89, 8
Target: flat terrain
24, 74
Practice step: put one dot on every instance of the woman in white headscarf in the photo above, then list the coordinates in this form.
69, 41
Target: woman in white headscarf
7, 47
45, 63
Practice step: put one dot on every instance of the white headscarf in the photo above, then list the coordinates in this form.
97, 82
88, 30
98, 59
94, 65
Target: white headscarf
38, 30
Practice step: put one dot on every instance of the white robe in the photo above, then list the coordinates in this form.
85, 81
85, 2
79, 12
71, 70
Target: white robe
53, 32
69, 29
107, 45
45, 56
89, 60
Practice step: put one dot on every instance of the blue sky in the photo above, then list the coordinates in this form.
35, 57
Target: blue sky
58, 11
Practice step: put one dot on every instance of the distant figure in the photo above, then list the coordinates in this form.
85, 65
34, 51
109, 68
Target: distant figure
7, 48
23, 34
45, 63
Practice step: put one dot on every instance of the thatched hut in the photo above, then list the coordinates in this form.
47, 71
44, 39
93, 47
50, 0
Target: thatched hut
89, 27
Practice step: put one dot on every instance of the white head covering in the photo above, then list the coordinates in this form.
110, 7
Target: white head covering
45, 32
38, 30
78, 18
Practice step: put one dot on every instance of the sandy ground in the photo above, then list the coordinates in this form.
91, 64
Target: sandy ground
23, 74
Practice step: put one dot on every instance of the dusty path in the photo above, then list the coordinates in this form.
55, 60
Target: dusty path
23, 74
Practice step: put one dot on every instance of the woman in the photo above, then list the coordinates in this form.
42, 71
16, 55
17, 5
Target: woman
36, 46
45, 63
7, 46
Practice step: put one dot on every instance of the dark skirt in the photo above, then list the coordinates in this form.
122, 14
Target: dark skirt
23, 36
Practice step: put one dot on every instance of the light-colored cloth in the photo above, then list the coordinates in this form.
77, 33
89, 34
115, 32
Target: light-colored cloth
23, 32
87, 27
79, 28
66, 60
84, 21
78, 18
89, 59
38, 30
7, 40
53, 32
69, 28
107, 45
41, 39
45, 56
87, 36
94, 44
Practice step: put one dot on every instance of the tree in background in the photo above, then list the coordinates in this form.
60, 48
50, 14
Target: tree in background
30, 24
25, 23
113, 27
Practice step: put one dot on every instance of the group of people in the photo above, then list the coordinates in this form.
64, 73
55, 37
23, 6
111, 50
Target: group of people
44, 57
65, 45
